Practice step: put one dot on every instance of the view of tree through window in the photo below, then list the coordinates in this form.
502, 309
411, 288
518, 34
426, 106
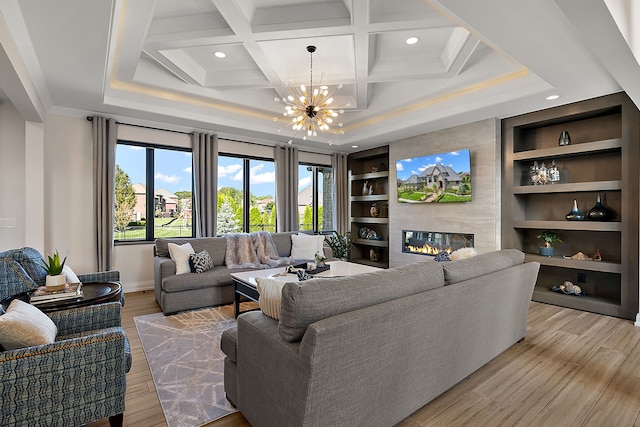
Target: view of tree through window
245, 182
153, 193
315, 194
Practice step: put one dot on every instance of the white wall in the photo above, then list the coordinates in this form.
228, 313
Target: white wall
12, 176
480, 217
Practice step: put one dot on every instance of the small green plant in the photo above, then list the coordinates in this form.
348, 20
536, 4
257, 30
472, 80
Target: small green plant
340, 244
54, 266
549, 237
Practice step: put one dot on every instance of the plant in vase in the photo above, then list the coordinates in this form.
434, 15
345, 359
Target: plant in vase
549, 238
55, 280
340, 244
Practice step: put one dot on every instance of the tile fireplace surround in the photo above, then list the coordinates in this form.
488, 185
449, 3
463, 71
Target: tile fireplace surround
431, 243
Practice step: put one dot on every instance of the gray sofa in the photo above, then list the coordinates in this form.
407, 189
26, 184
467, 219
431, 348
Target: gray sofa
372, 349
214, 287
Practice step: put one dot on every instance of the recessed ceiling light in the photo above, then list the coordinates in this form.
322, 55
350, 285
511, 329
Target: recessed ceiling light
219, 54
412, 40
354, 146
552, 97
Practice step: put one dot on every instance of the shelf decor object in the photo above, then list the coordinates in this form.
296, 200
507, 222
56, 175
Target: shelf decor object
600, 157
564, 139
598, 212
575, 214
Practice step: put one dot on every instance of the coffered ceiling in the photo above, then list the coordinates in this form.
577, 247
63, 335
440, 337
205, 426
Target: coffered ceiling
153, 62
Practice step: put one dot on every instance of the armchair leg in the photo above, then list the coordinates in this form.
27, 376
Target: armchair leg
116, 420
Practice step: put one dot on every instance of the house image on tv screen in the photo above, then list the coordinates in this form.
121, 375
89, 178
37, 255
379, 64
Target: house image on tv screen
437, 178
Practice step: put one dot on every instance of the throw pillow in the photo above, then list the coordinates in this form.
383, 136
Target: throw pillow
70, 275
24, 325
306, 246
462, 253
270, 291
200, 262
180, 255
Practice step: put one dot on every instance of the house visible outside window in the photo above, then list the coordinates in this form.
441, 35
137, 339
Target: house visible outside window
153, 195
315, 198
246, 195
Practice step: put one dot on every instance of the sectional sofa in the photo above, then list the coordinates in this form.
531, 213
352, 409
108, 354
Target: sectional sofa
373, 348
178, 292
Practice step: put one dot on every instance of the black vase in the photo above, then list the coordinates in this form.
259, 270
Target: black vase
598, 212
575, 214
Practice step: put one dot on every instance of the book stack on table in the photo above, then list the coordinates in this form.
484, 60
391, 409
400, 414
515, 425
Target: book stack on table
71, 291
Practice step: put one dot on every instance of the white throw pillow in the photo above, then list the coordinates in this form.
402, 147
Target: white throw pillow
306, 246
24, 325
462, 253
72, 277
270, 291
180, 255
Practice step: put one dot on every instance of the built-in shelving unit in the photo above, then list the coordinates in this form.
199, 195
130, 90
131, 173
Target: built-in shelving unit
369, 185
603, 158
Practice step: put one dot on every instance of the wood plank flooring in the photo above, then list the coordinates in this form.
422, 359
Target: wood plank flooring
573, 369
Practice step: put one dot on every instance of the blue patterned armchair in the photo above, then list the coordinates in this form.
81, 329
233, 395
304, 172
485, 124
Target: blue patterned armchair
79, 378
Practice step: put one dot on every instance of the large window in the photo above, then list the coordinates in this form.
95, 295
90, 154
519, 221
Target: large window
315, 195
246, 191
153, 192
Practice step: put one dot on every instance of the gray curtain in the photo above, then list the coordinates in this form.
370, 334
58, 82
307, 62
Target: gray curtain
104, 182
205, 176
340, 192
286, 164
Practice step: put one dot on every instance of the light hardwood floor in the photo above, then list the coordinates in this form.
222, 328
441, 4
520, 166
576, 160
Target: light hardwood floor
573, 369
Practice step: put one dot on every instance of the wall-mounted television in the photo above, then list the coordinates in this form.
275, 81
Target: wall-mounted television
436, 178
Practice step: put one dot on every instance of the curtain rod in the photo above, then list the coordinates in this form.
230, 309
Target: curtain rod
90, 118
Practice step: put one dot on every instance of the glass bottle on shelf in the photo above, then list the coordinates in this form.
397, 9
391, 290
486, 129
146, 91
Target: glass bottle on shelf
543, 174
554, 173
533, 172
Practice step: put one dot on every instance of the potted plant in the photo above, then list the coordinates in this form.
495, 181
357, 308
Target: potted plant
340, 244
549, 238
55, 280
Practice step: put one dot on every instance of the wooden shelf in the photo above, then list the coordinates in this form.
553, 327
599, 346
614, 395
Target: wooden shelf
602, 266
570, 150
591, 303
372, 242
371, 198
569, 187
370, 175
369, 220
367, 261
570, 225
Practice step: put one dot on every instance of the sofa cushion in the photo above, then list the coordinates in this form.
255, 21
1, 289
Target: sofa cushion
24, 325
270, 290
200, 262
215, 246
467, 268
304, 303
217, 276
229, 343
32, 263
305, 246
180, 255
283, 242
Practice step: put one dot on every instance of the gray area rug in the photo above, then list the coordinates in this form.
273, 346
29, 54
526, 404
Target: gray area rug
187, 365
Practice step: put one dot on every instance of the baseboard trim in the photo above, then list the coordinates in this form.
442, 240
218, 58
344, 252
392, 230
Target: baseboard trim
137, 286
637, 323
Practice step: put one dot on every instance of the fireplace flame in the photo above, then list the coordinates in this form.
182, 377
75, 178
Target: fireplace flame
427, 250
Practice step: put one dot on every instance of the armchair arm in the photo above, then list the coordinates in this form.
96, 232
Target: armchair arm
100, 276
87, 318
78, 381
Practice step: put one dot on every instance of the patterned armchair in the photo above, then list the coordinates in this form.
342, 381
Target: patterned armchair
79, 378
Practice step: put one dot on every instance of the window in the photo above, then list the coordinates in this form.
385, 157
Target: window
245, 182
315, 198
153, 192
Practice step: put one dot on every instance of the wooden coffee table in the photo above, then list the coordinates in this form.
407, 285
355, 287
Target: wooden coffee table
245, 282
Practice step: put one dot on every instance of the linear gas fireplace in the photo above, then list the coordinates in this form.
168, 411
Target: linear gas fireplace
433, 242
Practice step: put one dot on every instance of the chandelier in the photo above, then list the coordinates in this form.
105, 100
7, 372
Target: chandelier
310, 110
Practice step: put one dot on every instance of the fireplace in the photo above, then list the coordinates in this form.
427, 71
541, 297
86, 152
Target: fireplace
431, 243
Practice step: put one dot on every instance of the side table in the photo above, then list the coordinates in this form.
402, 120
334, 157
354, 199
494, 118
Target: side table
93, 293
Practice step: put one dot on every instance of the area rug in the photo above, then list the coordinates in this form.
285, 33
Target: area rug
187, 365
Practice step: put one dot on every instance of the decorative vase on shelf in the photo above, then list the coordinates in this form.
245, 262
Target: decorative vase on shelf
373, 255
598, 212
575, 214
564, 139
545, 251
374, 210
